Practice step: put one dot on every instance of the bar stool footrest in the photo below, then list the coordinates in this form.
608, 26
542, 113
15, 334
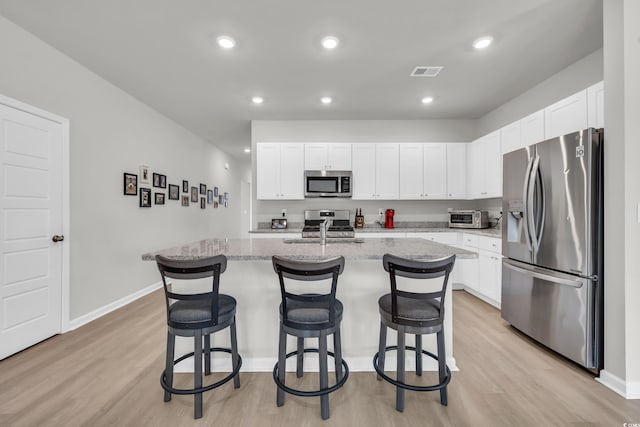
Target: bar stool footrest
406, 386
313, 393
182, 391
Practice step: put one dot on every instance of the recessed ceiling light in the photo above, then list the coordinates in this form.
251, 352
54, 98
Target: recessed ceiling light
330, 42
326, 100
226, 42
482, 42
427, 100
247, 150
257, 100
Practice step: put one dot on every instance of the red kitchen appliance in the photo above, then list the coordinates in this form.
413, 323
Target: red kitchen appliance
388, 218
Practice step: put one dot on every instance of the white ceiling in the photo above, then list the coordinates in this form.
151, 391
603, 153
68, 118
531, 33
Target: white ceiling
161, 52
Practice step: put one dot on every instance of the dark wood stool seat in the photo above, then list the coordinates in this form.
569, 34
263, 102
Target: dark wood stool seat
310, 315
197, 315
417, 313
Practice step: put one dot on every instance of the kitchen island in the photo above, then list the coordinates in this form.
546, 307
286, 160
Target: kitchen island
251, 280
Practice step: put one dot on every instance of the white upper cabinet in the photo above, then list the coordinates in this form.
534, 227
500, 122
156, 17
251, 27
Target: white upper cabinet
411, 171
484, 167
435, 171
532, 129
375, 171
524, 132
566, 116
511, 137
456, 170
423, 173
279, 171
595, 105
387, 170
327, 156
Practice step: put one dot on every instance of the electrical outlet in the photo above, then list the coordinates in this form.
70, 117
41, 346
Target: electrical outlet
284, 212
380, 212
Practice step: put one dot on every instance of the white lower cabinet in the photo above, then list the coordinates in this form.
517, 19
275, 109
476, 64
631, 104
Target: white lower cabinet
484, 279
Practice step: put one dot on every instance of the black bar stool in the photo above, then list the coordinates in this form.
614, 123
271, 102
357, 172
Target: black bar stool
197, 315
413, 313
310, 316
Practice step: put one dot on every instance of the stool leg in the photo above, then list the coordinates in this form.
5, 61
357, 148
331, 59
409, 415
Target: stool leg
324, 375
197, 373
382, 345
168, 369
207, 354
300, 358
282, 364
400, 371
234, 353
442, 364
418, 354
337, 349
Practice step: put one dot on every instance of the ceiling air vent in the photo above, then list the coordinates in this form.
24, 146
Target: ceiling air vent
425, 71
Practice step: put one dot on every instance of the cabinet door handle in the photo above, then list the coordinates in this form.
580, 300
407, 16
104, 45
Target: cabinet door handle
57, 238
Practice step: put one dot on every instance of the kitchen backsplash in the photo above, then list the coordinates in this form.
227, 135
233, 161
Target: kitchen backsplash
406, 210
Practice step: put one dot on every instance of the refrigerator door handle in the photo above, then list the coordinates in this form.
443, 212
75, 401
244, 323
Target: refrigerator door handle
525, 198
530, 220
538, 274
542, 202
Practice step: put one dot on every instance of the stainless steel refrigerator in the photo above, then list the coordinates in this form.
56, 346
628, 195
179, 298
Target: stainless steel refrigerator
552, 242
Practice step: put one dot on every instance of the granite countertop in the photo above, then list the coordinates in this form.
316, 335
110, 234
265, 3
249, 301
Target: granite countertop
408, 227
264, 249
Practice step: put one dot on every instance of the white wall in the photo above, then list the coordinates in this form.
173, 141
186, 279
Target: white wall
574, 78
360, 131
111, 133
622, 195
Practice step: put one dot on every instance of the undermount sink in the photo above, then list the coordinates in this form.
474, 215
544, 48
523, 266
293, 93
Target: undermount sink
330, 240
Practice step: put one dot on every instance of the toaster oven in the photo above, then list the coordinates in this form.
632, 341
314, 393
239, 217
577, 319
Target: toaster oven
468, 219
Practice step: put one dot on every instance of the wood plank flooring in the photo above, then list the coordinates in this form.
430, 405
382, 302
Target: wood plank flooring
107, 373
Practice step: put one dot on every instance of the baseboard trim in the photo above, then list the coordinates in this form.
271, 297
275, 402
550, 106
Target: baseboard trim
95, 314
265, 364
628, 390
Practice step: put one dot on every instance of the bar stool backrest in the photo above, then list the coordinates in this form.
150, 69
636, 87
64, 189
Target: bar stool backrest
192, 269
414, 269
306, 271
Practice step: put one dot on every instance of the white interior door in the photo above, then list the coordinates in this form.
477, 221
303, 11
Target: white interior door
30, 214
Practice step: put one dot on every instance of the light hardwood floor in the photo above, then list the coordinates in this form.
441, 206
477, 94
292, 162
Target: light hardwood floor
107, 373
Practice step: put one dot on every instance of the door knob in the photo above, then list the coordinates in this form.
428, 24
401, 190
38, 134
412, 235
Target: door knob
57, 238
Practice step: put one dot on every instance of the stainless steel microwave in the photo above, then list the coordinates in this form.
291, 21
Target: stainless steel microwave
468, 219
327, 183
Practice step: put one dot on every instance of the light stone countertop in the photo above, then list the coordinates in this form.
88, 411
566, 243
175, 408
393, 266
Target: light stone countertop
264, 249
489, 232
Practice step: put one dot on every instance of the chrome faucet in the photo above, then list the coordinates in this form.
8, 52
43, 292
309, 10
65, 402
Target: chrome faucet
323, 232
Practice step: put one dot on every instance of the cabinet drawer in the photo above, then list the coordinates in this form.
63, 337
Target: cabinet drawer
490, 244
470, 240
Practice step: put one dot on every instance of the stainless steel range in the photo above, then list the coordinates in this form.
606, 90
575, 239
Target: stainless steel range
339, 223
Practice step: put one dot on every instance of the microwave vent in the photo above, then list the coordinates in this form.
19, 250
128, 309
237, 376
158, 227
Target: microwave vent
425, 71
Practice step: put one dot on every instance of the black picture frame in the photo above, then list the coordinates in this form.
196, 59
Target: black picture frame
203, 189
209, 197
174, 192
215, 204
145, 198
203, 202
220, 199
194, 194
159, 199
156, 180
185, 200
163, 181
130, 187
215, 191
185, 186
